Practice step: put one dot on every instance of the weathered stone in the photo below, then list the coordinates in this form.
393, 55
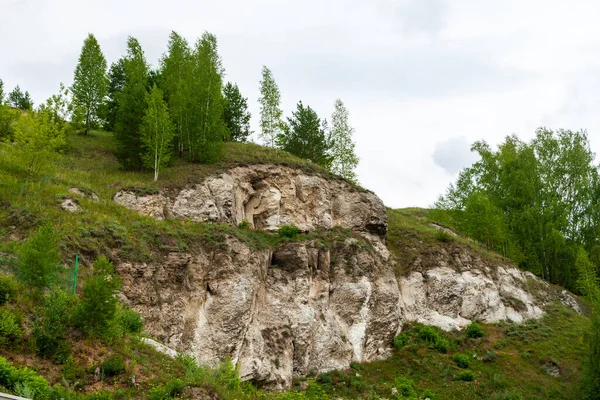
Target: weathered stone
88, 194
70, 205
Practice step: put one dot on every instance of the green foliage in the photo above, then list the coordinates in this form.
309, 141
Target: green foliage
534, 202
466, 376
20, 100
131, 321
405, 387
474, 330
442, 345
8, 117
157, 133
132, 105
116, 76
39, 258
271, 124
400, 340
49, 332
112, 366
98, 306
90, 83
489, 356
443, 236
38, 135
11, 376
342, 147
8, 289
305, 136
10, 328
236, 114
429, 334
462, 360
244, 225
289, 232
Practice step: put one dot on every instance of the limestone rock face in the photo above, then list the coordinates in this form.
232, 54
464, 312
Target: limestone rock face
277, 314
267, 196
307, 306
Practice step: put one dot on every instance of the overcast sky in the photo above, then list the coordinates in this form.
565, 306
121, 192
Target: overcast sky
422, 79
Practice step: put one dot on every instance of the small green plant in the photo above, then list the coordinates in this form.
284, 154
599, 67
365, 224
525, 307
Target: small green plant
289, 232
489, 356
50, 326
39, 258
429, 334
443, 236
131, 321
10, 328
462, 360
442, 345
113, 365
405, 387
245, 225
466, 376
428, 394
474, 331
8, 289
400, 340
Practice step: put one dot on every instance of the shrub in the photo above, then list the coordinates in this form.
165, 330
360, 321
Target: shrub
288, 232
462, 360
466, 376
428, 394
474, 331
442, 345
444, 236
131, 321
244, 225
489, 356
8, 289
49, 332
10, 328
39, 258
429, 334
23, 378
400, 340
113, 365
405, 387
98, 306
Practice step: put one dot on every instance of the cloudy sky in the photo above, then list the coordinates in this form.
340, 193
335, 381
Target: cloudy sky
423, 79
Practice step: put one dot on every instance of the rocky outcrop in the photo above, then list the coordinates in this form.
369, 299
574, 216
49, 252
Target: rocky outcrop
277, 314
308, 305
267, 196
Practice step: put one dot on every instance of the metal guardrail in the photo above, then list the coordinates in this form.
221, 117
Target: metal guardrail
4, 396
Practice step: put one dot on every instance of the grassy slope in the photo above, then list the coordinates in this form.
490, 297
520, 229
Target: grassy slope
107, 228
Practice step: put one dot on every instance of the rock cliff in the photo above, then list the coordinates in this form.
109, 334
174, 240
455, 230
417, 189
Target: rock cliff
307, 305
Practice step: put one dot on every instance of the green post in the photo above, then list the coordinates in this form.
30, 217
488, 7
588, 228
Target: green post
75, 274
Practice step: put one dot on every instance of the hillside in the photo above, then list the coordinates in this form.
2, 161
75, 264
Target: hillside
510, 361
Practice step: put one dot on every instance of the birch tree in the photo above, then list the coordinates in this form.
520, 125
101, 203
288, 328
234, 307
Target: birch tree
157, 133
344, 159
271, 123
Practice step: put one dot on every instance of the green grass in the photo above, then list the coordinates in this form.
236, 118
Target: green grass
505, 373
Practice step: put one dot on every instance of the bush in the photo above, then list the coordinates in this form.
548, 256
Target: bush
400, 340
474, 331
429, 334
113, 365
98, 306
466, 376
405, 387
8, 289
49, 332
10, 328
428, 394
444, 236
442, 345
39, 258
288, 232
131, 321
244, 225
489, 356
462, 360
170, 390
23, 378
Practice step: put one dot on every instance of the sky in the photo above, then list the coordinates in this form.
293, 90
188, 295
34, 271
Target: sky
422, 79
